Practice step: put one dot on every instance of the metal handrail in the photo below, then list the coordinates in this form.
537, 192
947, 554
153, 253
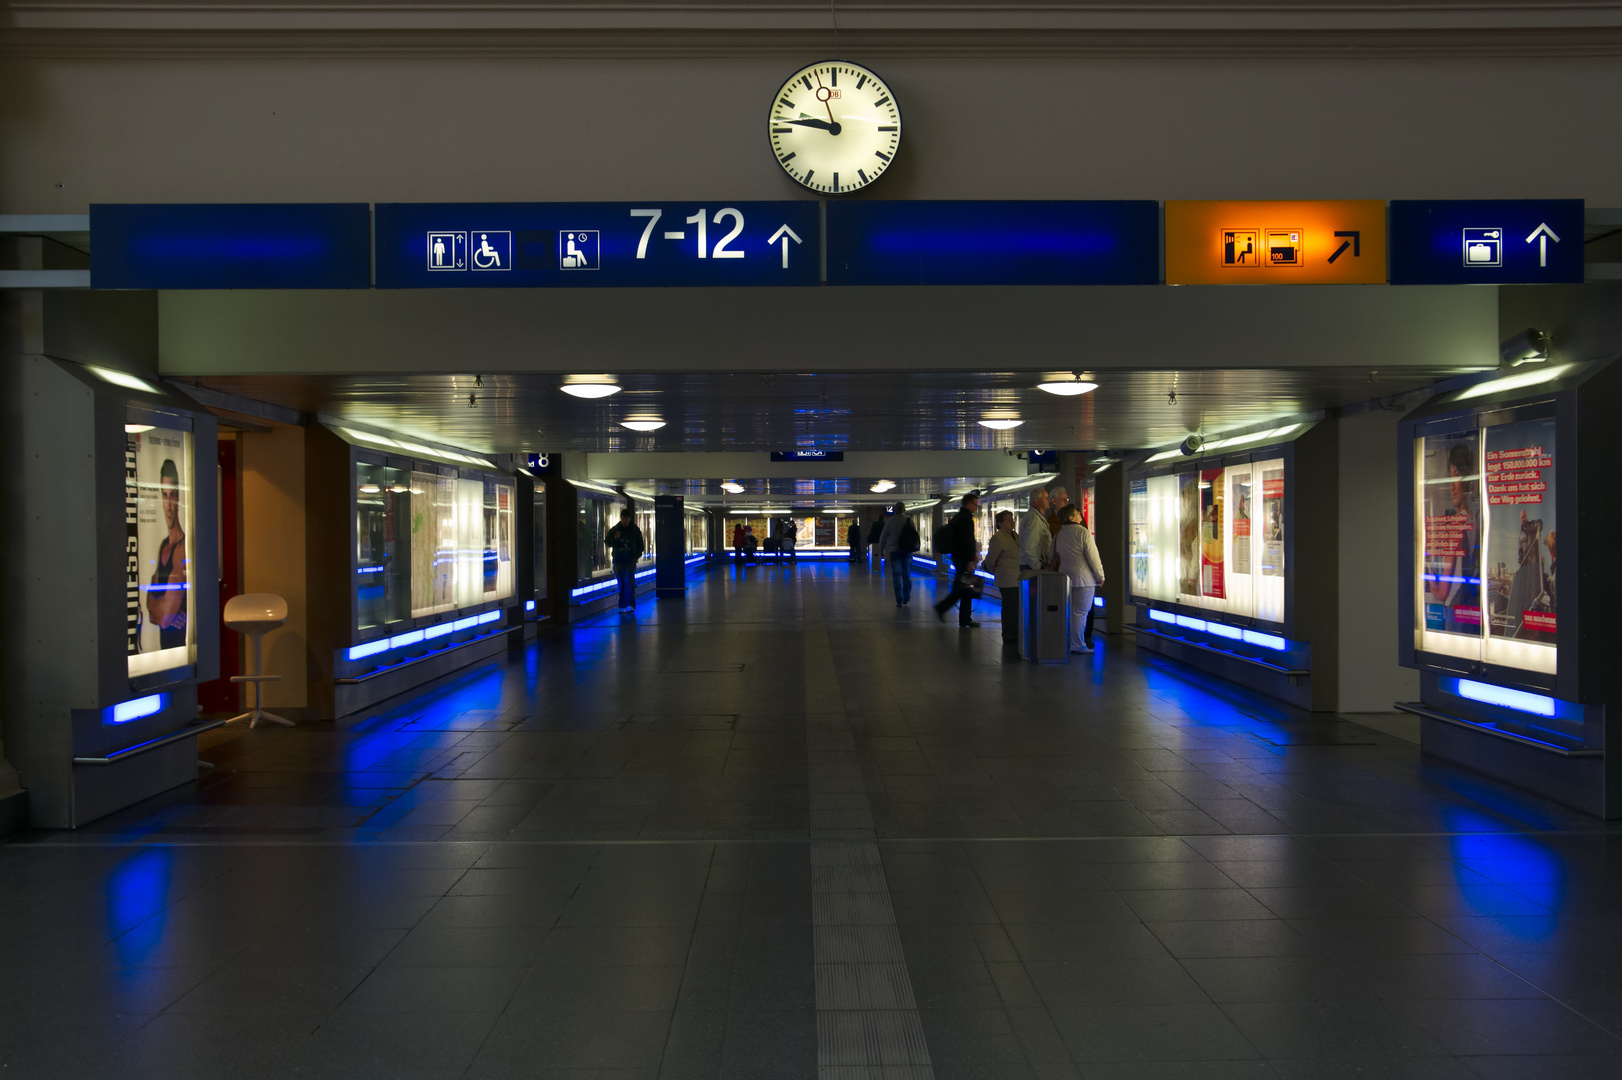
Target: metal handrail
1289, 672
1416, 709
140, 748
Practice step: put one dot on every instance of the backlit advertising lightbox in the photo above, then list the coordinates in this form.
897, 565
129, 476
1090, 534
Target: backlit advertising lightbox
159, 618
1488, 544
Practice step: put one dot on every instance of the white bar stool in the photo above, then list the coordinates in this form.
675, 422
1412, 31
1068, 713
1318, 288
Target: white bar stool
256, 614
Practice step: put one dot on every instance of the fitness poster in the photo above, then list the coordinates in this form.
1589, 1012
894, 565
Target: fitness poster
158, 525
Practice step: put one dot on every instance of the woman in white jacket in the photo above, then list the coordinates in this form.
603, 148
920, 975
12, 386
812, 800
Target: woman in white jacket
1002, 563
1078, 560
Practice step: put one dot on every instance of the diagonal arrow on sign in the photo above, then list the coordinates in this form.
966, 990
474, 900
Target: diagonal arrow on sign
1355, 243
1543, 234
791, 235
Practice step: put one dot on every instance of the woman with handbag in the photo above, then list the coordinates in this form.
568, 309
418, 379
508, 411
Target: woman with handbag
1002, 563
1078, 560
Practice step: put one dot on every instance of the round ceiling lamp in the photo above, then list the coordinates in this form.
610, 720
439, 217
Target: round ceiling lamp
1000, 423
591, 387
732, 487
646, 424
1067, 386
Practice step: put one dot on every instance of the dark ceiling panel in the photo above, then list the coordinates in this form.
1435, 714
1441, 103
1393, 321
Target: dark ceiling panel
872, 411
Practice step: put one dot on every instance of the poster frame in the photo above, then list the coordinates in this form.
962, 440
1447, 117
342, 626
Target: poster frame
1548, 402
1282, 450
521, 547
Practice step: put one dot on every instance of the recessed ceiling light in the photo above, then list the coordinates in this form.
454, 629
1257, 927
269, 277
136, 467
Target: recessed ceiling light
732, 486
883, 486
136, 429
1067, 387
1001, 424
599, 389
837, 511
643, 425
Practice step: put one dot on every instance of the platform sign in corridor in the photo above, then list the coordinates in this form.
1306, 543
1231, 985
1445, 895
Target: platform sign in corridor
1487, 242
584, 245
1311, 242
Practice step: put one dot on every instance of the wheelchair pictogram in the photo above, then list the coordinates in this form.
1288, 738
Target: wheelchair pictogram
492, 250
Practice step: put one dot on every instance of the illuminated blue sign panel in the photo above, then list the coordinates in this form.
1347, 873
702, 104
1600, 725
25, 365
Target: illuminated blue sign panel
1486, 242
808, 455
592, 245
994, 243
231, 246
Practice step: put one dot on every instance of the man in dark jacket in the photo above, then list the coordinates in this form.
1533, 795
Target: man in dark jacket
625, 547
960, 543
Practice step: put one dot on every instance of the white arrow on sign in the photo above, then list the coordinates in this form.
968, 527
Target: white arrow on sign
782, 229
1543, 234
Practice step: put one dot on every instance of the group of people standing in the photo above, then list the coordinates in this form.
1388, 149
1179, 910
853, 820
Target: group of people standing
1046, 539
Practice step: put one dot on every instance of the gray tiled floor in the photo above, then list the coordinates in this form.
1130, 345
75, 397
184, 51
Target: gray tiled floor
594, 860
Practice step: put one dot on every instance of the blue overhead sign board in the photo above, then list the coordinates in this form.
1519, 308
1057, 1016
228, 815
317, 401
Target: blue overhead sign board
994, 243
808, 455
1486, 242
587, 245
231, 246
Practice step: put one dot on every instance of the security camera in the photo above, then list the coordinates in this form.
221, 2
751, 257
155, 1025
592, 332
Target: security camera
1527, 347
1192, 445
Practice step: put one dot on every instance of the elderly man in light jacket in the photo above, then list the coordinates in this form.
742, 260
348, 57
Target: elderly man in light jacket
1035, 538
1078, 559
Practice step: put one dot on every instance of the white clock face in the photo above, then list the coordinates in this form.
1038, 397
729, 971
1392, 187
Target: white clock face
835, 127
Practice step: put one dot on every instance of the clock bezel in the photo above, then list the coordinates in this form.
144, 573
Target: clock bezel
901, 124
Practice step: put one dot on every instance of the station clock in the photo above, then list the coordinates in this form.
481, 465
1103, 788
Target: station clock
835, 127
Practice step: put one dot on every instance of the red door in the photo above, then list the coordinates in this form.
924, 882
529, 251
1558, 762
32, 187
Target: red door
222, 695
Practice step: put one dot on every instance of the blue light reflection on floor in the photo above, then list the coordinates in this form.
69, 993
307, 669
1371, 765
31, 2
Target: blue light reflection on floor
137, 892
1537, 870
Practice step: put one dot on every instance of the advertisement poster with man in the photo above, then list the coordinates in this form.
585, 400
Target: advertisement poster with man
1519, 477
158, 525
1212, 499
1452, 507
1188, 534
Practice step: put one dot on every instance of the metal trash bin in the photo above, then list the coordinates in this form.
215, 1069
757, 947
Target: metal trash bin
1044, 618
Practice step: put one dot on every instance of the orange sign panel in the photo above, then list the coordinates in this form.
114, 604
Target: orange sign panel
1339, 242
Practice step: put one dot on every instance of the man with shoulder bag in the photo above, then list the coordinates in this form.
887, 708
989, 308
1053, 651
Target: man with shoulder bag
964, 549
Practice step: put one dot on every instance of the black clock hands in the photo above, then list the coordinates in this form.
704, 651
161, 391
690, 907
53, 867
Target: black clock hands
831, 128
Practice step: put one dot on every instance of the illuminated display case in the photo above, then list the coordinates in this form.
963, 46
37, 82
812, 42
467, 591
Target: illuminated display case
433, 561
698, 531
1215, 547
1507, 525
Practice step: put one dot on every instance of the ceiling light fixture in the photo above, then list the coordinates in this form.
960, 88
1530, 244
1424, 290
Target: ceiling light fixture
591, 387
136, 429
1001, 423
838, 511
122, 378
732, 486
882, 486
1513, 382
643, 425
1067, 386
